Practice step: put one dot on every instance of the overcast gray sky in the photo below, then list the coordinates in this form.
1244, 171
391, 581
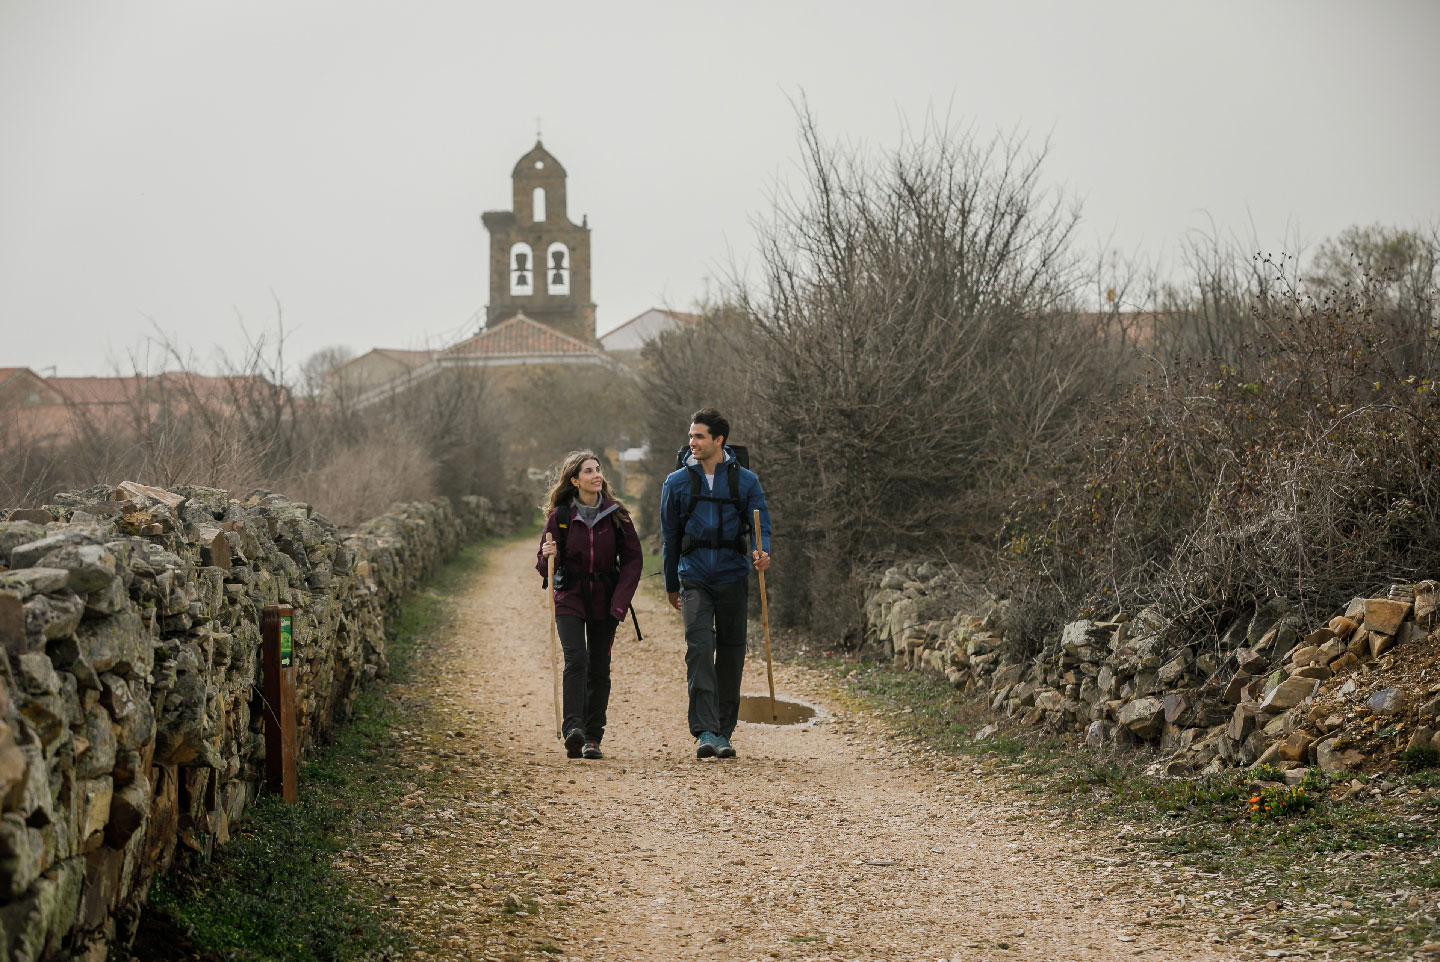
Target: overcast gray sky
186, 164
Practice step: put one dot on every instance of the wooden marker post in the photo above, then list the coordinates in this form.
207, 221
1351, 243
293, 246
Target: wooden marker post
278, 665
765, 619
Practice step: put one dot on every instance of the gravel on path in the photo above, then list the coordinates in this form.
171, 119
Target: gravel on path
832, 840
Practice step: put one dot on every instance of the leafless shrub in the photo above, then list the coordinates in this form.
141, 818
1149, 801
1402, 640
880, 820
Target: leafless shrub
31, 471
1301, 467
245, 428
456, 419
360, 480
916, 347
1211, 308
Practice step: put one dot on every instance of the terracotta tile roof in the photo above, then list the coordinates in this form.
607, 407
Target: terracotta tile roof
207, 387
179, 384
97, 390
520, 337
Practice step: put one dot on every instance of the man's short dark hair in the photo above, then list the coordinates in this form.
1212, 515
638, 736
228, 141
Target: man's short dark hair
714, 421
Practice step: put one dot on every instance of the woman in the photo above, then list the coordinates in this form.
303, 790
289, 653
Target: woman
596, 573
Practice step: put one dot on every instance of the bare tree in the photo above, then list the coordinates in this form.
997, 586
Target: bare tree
1401, 270
317, 368
917, 343
709, 363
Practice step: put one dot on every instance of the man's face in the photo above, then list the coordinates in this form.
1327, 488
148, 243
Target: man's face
703, 445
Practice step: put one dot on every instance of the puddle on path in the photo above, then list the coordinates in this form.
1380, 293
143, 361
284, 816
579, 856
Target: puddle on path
756, 709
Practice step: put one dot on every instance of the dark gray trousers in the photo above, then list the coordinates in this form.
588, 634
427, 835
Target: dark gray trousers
714, 652
585, 685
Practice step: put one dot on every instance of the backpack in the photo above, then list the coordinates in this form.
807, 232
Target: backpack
610, 577
741, 542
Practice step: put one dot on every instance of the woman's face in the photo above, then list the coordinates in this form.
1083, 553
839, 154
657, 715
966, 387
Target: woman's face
590, 479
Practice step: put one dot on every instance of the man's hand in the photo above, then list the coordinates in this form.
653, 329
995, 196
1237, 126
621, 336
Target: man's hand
761, 559
674, 597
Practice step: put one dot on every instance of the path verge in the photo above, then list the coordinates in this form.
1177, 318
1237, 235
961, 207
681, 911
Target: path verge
282, 888
1339, 874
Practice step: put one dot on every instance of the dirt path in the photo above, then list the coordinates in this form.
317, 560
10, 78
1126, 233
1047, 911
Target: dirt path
831, 841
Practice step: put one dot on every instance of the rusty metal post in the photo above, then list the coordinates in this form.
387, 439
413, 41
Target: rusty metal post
278, 664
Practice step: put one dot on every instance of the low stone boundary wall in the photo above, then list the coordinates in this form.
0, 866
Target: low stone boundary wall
1351, 693
130, 721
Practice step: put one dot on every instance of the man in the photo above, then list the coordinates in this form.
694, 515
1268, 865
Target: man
706, 512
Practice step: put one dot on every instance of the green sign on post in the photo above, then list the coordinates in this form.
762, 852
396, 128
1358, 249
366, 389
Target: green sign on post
277, 658
287, 645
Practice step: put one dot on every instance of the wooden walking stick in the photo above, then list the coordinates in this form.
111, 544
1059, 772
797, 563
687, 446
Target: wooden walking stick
554, 641
765, 620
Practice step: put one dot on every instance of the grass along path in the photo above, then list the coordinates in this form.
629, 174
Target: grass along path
285, 887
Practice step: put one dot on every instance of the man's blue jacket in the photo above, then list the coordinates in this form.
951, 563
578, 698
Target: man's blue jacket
714, 566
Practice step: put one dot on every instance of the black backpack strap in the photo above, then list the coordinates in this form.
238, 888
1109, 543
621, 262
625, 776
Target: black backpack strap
619, 544
694, 479
744, 515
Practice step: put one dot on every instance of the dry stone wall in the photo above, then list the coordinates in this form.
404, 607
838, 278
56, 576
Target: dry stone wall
130, 722
1348, 694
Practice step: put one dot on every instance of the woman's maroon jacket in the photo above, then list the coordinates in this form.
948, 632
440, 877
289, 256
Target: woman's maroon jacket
589, 550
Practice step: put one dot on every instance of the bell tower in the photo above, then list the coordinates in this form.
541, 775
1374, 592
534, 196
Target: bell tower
539, 260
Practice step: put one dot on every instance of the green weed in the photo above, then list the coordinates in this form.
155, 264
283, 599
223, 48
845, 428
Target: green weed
1419, 759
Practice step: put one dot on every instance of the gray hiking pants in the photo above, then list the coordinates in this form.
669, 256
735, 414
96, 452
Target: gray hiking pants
714, 652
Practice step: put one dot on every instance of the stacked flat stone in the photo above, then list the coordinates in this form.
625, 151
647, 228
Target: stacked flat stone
1266, 692
130, 719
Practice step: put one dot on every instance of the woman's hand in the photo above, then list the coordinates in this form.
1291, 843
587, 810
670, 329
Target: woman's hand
547, 549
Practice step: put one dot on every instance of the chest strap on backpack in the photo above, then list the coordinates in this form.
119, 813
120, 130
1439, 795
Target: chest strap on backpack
741, 542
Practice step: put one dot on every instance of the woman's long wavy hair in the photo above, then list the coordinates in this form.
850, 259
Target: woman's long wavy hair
563, 490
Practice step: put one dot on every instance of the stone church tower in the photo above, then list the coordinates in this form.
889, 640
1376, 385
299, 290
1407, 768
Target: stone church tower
539, 260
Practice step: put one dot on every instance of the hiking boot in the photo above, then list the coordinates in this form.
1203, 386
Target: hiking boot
574, 738
724, 749
708, 745
592, 750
